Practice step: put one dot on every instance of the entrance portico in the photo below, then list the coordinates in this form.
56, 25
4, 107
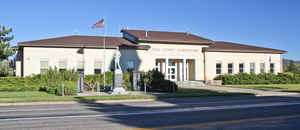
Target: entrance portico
177, 68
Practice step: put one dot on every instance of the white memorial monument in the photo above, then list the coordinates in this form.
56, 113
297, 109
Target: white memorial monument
118, 76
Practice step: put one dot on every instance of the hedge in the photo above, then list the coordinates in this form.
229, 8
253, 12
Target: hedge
19, 84
263, 78
155, 81
50, 82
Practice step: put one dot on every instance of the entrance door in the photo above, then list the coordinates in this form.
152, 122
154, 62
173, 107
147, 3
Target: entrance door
172, 71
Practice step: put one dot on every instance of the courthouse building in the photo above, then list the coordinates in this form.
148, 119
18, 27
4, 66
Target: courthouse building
180, 56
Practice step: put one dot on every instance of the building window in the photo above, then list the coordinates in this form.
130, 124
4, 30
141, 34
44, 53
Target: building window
218, 68
44, 66
97, 67
62, 65
241, 67
230, 68
80, 67
262, 67
252, 67
130, 66
272, 66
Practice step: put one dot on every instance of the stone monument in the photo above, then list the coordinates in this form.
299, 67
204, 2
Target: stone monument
118, 75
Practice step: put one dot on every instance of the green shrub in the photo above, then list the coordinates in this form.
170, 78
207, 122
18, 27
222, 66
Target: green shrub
99, 78
49, 82
4, 69
70, 88
263, 78
19, 84
127, 81
91, 80
155, 81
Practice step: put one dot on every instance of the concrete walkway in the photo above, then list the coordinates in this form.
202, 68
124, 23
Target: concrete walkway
245, 90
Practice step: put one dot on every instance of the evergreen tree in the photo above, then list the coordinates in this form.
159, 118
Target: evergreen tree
292, 67
5, 38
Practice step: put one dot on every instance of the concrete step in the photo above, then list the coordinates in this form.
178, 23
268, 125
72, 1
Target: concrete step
190, 83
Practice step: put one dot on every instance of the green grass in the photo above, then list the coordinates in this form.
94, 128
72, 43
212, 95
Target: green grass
271, 87
24, 94
14, 97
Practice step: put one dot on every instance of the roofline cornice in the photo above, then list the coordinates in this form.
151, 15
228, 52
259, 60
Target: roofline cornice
171, 41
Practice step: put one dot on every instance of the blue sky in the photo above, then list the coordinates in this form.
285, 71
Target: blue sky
267, 23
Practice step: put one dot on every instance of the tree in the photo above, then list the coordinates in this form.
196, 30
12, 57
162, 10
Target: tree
292, 67
5, 38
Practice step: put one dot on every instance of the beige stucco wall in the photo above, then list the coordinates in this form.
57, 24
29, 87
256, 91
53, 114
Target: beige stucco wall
229, 57
172, 51
91, 55
33, 56
145, 59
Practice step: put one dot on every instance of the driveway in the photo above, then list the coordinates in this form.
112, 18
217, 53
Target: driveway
246, 90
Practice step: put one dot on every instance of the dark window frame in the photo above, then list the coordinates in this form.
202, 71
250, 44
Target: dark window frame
230, 69
241, 69
272, 68
218, 69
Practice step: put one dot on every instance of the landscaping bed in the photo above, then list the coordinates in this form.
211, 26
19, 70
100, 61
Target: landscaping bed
17, 97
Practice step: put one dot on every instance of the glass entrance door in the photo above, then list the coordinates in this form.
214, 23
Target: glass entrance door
172, 71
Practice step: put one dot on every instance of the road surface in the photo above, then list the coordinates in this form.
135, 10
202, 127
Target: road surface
209, 113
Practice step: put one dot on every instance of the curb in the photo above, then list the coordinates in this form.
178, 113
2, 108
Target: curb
74, 102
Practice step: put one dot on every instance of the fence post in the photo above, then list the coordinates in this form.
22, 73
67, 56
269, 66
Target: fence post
145, 88
98, 87
63, 90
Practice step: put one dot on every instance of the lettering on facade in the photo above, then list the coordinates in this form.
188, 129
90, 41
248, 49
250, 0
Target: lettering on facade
174, 50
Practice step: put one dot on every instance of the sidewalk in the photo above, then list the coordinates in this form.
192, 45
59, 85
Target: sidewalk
245, 90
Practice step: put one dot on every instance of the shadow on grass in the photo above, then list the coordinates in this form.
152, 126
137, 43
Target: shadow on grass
181, 93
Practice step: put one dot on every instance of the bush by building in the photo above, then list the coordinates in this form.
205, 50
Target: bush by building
91, 80
263, 78
155, 81
50, 82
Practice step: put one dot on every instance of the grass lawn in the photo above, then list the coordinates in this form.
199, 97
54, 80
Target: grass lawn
271, 87
13, 97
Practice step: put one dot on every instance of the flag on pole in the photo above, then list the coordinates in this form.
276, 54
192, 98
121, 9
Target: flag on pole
99, 24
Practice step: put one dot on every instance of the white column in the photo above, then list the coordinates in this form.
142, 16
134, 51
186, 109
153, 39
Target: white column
180, 71
163, 67
184, 69
167, 66
187, 71
18, 68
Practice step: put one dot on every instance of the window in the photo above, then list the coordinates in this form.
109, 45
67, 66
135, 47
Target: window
241, 67
262, 67
97, 67
272, 66
130, 65
252, 67
230, 68
62, 65
218, 68
44, 66
80, 67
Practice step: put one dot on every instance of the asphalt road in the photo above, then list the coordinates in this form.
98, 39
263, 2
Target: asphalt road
210, 113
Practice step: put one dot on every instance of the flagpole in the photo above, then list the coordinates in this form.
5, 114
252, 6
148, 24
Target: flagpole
104, 56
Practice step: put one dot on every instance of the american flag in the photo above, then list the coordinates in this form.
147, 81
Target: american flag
99, 24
